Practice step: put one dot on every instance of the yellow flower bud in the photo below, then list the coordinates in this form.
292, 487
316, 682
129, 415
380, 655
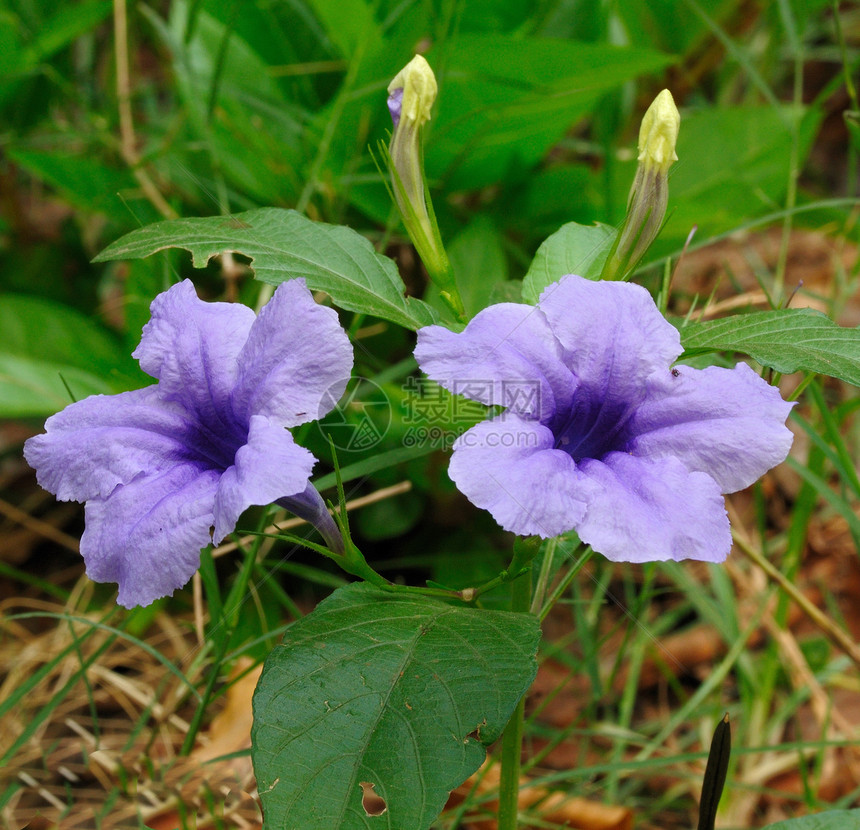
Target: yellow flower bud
416, 84
649, 195
410, 100
659, 132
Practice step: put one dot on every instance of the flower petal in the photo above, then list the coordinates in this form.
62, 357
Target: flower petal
509, 467
147, 535
651, 510
192, 347
507, 355
728, 423
269, 466
104, 441
297, 361
613, 335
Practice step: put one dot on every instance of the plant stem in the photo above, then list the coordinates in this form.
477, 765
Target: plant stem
564, 582
128, 140
794, 156
540, 590
512, 740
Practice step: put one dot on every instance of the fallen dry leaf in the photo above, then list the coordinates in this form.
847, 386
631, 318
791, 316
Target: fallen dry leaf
551, 806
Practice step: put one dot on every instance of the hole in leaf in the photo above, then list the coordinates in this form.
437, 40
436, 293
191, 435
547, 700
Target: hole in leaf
374, 805
475, 734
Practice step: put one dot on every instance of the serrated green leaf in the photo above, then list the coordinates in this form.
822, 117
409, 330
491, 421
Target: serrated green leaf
831, 820
378, 688
788, 341
572, 249
283, 245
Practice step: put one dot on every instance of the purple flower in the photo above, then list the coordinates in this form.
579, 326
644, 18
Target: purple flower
600, 434
166, 469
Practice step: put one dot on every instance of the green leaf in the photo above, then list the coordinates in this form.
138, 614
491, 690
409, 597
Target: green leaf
11, 58
666, 24
47, 347
831, 820
389, 518
733, 165
376, 688
542, 204
573, 249
283, 245
349, 23
235, 107
788, 341
53, 34
45, 330
32, 388
504, 100
83, 179
478, 260
69, 23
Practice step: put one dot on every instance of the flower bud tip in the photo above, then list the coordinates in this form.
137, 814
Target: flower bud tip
659, 132
412, 92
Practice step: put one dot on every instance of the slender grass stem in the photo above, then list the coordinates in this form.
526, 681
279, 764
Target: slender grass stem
128, 139
794, 155
512, 740
224, 629
833, 632
544, 576
564, 583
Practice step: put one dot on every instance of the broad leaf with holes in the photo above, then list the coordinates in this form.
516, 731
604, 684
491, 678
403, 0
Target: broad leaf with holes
282, 245
377, 705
